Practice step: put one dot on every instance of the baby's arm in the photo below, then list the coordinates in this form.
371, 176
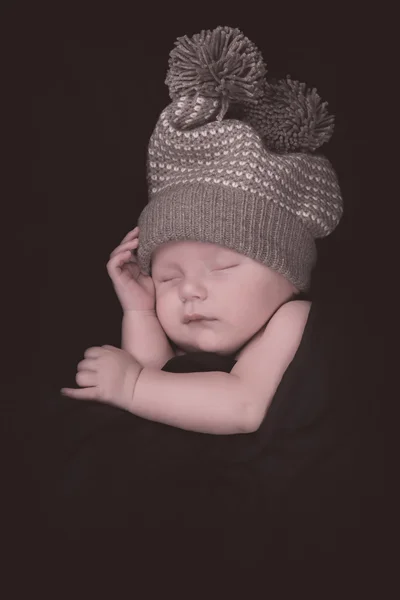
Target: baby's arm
144, 338
225, 403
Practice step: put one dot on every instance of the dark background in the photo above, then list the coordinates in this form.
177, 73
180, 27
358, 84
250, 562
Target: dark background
84, 91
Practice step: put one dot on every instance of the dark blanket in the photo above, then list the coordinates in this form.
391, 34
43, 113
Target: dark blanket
99, 472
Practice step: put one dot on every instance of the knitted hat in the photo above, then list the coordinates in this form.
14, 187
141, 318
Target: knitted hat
232, 159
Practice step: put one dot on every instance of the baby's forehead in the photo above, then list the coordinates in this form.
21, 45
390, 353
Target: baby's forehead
185, 251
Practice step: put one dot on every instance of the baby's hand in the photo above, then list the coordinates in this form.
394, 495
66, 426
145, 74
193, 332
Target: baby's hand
106, 374
135, 290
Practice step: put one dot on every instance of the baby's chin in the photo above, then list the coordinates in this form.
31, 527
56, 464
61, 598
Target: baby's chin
186, 349
205, 341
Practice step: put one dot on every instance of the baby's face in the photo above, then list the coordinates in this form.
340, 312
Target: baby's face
236, 293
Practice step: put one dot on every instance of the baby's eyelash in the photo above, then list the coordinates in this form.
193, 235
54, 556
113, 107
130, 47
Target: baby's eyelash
221, 269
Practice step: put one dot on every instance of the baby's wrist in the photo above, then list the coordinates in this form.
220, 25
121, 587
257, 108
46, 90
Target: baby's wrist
141, 313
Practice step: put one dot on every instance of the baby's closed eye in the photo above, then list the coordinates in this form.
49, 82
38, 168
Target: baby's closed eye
164, 280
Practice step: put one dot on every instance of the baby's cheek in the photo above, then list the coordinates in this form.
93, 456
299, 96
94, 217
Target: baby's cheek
165, 313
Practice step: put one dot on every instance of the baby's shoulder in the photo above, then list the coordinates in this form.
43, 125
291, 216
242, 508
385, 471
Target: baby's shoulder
288, 316
300, 305
293, 313
289, 320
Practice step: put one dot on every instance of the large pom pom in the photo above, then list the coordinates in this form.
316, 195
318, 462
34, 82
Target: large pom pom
222, 66
291, 118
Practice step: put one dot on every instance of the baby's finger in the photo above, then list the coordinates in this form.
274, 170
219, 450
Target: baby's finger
131, 234
131, 245
119, 260
116, 264
89, 393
